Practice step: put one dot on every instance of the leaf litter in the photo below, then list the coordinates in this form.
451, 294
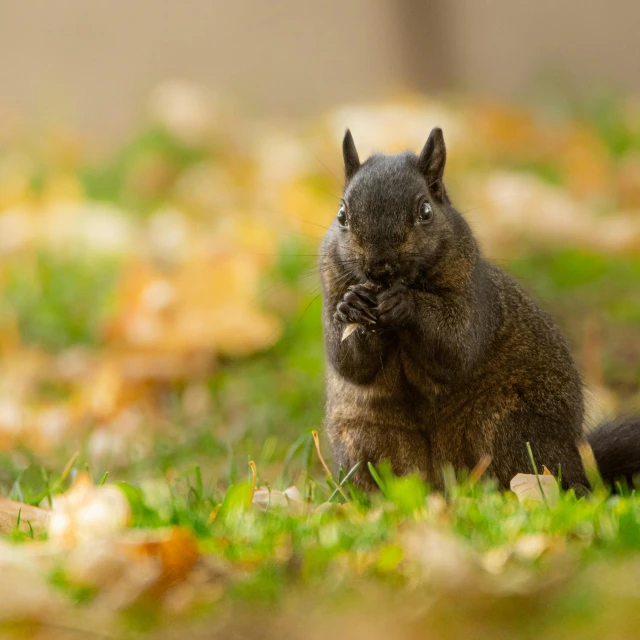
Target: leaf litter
177, 260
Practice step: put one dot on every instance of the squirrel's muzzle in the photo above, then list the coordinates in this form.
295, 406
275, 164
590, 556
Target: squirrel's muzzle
380, 271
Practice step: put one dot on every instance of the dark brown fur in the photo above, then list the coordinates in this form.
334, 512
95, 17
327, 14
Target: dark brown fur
460, 363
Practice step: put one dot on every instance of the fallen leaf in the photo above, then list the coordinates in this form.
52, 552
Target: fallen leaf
528, 547
441, 556
185, 109
533, 545
176, 548
35, 516
134, 565
527, 487
24, 591
266, 498
97, 563
86, 512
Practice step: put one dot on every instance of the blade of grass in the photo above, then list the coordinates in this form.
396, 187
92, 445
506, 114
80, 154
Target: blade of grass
68, 467
344, 481
308, 454
291, 453
47, 490
478, 471
535, 470
590, 466
377, 478
233, 467
254, 477
314, 433
199, 485
559, 475
16, 489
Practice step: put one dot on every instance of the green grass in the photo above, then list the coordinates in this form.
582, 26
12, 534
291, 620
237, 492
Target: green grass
363, 557
339, 558
467, 550
142, 174
404, 562
58, 301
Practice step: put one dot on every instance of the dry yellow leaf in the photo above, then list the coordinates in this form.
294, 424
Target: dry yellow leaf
527, 487
86, 512
35, 516
176, 548
206, 305
25, 593
266, 498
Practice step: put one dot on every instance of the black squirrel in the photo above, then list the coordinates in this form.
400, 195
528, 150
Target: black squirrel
449, 361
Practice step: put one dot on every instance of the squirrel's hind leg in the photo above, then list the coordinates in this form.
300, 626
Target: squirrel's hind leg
405, 449
554, 446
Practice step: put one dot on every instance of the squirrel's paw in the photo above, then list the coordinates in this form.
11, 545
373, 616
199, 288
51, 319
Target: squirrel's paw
357, 305
395, 305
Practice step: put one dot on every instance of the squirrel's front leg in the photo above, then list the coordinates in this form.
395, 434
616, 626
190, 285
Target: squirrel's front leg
359, 357
434, 334
396, 307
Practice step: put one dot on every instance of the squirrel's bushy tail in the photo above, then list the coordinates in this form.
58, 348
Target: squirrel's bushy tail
616, 447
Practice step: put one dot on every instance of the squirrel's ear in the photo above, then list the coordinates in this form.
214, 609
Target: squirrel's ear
350, 154
431, 162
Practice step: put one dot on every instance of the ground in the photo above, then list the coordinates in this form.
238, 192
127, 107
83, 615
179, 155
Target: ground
162, 377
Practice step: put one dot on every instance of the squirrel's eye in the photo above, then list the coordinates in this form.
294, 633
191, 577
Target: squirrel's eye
425, 213
342, 216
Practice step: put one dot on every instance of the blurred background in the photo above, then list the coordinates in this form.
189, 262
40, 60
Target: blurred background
168, 169
96, 62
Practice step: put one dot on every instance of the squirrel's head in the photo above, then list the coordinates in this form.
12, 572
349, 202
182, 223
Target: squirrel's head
395, 220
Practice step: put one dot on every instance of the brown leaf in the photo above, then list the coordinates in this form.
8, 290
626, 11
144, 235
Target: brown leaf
176, 548
35, 516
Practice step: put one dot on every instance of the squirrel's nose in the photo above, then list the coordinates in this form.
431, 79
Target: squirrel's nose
379, 271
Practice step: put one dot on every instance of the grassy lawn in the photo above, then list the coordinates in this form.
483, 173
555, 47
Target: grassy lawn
162, 350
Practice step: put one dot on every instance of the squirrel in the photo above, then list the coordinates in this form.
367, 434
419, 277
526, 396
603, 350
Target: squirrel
451, 362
